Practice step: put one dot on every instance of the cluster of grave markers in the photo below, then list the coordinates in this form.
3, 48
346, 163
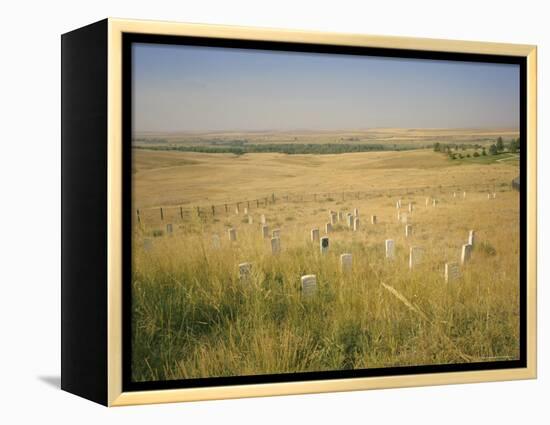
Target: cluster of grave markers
352, 222
309, 282
452, 270
275, 234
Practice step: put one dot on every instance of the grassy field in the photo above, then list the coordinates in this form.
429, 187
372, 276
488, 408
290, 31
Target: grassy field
194, 317
165, 179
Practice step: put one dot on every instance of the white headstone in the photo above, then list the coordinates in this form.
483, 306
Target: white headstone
237, 210
427, 201
314, 235
265, 231
345, 262
263, 219
454, 195
355, 224
216, 241
494, 195
466, 253
356, 212
398, 215
328, 228
471, 237
350, 221
275, 245
276, 233
340, 216
399, 203
415, 256
373, 219
390, 249
309, 285
410, 207
169, 229
245, 269
323, 245
232, 233
434, 202
250, 220
408, 230
245, 211
463, 195
488, 196
147, 245
452, 272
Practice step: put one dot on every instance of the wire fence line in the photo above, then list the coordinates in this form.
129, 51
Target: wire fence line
248, 205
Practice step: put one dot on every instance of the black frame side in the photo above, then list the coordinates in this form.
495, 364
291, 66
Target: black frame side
84, 212
129, 38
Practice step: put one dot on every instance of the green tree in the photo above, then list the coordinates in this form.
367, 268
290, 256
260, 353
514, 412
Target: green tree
483, 152
437, 147
500, 144
514, 145
493, 150
476, 154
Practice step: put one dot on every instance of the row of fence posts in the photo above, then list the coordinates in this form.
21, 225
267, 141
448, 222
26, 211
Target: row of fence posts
258, 201
213, 207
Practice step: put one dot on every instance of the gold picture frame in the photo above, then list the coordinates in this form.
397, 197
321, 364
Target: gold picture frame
115, 395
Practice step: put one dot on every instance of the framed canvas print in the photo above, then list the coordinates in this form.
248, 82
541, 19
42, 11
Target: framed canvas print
251, 212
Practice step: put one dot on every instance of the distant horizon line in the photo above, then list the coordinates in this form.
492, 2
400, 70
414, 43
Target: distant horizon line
306, 130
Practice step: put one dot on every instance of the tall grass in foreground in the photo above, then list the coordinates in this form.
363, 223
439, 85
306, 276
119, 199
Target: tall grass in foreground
193, 317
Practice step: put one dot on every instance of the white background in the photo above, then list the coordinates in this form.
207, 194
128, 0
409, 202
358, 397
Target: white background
30, 210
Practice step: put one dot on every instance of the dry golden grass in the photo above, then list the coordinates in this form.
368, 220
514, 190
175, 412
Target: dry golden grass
193, 317
190, 179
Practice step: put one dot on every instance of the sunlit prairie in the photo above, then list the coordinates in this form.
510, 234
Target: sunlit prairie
194, 315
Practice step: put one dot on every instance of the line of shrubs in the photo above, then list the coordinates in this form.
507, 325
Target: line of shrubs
287, 148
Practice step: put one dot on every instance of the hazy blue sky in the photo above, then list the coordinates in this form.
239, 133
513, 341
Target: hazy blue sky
181, 88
